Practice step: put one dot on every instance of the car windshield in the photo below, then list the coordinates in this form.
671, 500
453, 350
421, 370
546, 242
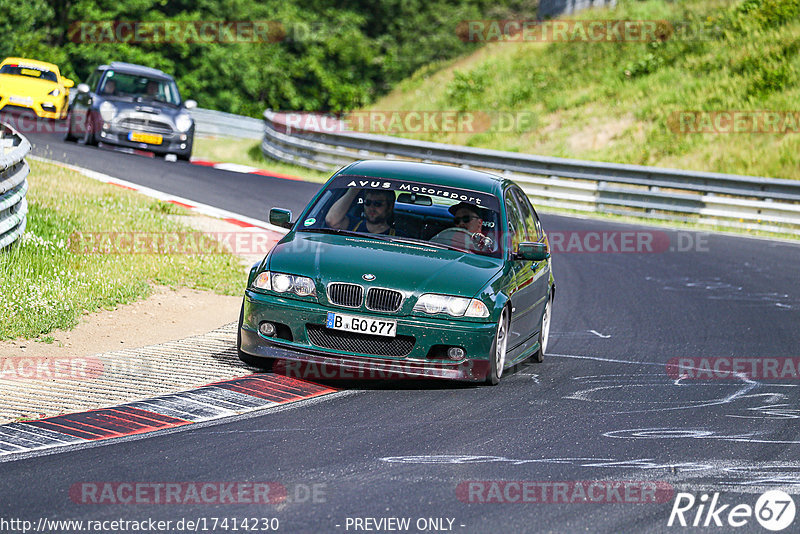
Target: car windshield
29, 71
140, 87
405, 210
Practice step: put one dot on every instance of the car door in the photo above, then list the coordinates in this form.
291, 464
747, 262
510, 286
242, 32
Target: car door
531, 277
79, 108
514, 236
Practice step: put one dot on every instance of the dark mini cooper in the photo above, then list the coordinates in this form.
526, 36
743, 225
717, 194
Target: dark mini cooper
405, 270
132, 106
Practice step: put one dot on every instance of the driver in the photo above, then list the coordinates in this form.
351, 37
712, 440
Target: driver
378, 212
467, 219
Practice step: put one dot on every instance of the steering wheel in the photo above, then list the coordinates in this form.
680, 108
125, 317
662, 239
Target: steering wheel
458, 237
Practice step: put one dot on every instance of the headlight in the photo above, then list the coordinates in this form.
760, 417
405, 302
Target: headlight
183, 122
302, 286
107, 110
55, 92
456, 306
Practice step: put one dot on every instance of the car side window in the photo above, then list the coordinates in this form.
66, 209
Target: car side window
532, 225
92, 81
516, 229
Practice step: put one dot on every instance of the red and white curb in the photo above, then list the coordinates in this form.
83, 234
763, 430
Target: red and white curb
214, 401
245, 169
204, 209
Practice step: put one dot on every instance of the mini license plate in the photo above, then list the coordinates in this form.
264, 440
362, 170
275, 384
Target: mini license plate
361, 325
150, 139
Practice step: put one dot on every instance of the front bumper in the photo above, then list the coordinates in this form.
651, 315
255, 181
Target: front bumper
302, 358
49, 111
172, 143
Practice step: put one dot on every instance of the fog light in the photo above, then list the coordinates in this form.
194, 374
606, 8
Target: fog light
267, 329
183, 145
455, 353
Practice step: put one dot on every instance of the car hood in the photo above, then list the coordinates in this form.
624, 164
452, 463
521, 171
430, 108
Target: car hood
149, 107
411, 268
24, 85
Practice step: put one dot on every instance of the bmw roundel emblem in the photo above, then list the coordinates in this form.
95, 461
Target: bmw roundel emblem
368, 277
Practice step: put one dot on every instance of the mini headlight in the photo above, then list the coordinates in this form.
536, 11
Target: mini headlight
455, 306
183, 122
107, 110
55, 92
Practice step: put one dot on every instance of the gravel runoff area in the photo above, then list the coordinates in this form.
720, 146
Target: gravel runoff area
175, 340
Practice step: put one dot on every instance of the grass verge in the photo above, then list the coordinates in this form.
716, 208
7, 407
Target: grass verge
45, 285
617, 101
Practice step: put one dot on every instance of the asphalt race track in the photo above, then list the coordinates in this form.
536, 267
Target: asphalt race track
604, 406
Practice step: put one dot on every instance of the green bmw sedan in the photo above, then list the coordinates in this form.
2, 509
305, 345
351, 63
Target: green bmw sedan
403, 269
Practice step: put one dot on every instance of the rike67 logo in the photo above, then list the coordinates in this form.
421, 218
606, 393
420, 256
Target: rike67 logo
774, 510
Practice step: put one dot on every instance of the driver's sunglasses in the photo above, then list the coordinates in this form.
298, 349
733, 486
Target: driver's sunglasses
376, 203
465, 219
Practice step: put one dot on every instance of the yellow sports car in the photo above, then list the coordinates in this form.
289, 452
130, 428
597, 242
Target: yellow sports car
34, 85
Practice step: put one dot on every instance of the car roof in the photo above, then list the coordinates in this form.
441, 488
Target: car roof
49, 66
433, 173
132, 68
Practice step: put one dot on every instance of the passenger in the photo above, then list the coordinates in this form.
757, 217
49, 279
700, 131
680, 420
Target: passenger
378, 217
110, 87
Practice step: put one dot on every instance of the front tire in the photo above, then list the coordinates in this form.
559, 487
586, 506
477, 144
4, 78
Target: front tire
88, 135
544, 332
499, 347
69, 136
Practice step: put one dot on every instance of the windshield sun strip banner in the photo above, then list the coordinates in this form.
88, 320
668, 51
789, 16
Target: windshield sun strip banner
483, 200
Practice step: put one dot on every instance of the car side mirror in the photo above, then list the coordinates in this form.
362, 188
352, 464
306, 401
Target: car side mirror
83, 88
532, 252
68, 83
190, 104
280, 217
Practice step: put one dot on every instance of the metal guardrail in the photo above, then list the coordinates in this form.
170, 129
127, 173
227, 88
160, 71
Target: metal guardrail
218, 123
13, 185
552, 8
733, 201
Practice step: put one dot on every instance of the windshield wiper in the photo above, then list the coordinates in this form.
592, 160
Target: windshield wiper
350, 233
420, 242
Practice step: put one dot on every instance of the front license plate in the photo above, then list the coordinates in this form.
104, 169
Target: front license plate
24, 100
361, 325
150, 139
